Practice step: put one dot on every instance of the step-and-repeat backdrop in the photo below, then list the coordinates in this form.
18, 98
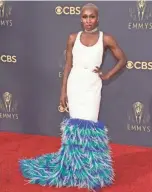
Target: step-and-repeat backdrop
33, 38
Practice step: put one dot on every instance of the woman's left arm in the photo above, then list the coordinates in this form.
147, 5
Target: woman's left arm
110, 43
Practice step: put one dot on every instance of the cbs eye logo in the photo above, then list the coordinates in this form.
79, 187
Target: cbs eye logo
67, 10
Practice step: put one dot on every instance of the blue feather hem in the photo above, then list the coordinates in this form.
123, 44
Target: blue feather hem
83, 160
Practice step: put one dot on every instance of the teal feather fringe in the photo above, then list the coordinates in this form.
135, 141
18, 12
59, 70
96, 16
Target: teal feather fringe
83, 160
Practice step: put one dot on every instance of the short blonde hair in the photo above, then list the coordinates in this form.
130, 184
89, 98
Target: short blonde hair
90, 5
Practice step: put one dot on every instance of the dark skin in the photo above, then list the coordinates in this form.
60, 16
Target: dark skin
89, 20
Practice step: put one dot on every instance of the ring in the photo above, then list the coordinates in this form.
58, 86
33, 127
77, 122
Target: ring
100, 73
62, 109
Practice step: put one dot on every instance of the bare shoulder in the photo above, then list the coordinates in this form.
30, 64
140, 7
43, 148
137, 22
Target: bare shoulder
72, 38
111, 43
109, 40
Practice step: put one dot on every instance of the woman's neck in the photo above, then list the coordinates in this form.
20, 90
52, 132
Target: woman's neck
92, 31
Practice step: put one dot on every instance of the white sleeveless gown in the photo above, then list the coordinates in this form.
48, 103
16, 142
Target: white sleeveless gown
83, 159
84, 86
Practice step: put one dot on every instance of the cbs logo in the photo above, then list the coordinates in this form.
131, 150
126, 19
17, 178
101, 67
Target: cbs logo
143, 65
67, 10
8, 58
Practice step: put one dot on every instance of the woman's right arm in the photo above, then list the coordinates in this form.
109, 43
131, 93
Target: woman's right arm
67, 69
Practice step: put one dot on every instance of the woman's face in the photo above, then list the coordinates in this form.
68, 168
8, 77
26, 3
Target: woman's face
89, 19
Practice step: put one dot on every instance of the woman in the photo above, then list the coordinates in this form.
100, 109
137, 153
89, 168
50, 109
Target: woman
84, 158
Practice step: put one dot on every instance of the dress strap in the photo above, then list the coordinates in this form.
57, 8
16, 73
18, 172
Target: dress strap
100, 36
77, 40
78, 35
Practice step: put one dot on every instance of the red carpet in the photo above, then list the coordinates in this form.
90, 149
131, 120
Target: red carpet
133, 165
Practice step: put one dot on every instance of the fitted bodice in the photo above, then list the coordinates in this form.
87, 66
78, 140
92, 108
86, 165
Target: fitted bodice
87, 57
